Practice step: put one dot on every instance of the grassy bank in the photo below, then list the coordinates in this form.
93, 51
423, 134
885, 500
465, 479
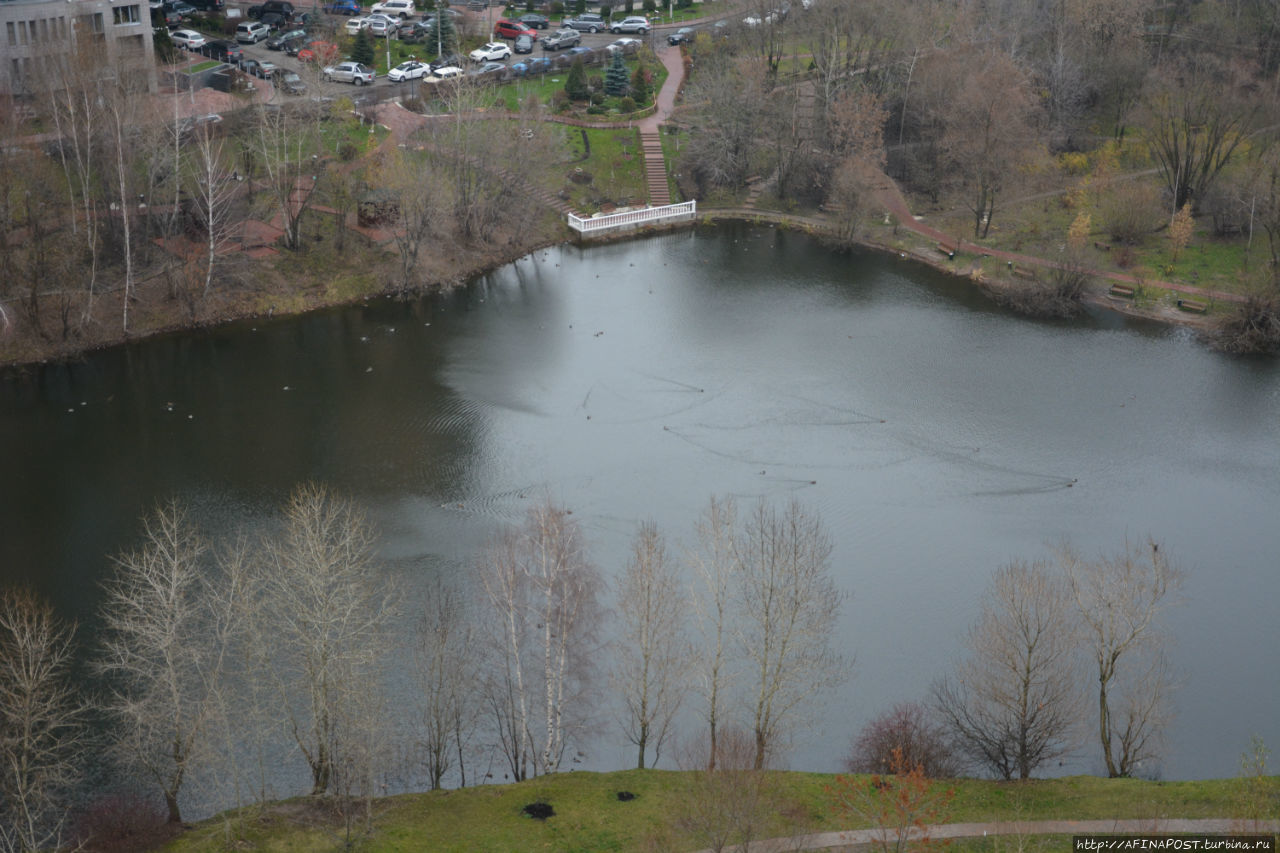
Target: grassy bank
589, 815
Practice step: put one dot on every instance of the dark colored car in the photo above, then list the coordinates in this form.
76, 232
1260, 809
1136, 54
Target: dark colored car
488, 71
288, 82
161, 17
342, 7
280, 7
417, 31
209, 5
183, 8
531, 66
223, 51
536, 21
279, 42
451, 60
684, 35
512, 29
523, 44
273, 20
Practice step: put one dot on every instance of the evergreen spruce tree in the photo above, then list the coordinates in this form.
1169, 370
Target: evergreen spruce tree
641, 91
444, 34
575, 85
362, 50
615, 79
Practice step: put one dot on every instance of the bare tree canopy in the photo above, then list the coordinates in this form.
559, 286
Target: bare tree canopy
788, 605
164, 651
1119, 600
543, 593
320, 626
714, 569
42, 724
653, 652
1012, 704
448, 673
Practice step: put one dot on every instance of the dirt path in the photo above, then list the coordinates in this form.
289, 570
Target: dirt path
854, 837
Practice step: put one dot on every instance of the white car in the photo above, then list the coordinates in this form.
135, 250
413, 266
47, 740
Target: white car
394, 8
491, 52
411, 70
355, 25
625, 45
189, 39
446, 72
349, 72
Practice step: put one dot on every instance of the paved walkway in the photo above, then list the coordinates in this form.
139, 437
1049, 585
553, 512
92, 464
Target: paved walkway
854, 837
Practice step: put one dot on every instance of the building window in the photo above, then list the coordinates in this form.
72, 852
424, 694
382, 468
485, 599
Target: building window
13, 33
90, 23
44, 30
125, 14
22, 32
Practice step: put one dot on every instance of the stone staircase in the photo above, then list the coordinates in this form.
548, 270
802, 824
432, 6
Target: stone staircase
655, 168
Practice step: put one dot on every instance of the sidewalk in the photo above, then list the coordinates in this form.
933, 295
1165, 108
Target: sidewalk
855, 837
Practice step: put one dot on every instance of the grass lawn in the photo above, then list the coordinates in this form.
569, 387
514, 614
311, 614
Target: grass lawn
614, 163
590, 817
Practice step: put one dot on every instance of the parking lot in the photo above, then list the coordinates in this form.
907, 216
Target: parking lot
383, 88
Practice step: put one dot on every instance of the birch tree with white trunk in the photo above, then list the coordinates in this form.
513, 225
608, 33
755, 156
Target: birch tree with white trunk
544, 597
714, 568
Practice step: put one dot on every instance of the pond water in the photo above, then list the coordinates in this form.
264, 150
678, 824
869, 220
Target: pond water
937, 436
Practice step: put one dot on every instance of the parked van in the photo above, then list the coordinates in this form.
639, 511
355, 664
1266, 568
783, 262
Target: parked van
251, 32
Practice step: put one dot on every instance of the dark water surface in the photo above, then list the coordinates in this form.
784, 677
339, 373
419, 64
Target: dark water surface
937, 436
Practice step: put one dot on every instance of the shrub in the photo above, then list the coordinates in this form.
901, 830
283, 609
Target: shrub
627, 104
1130, 211
595, 110
120, 823
556, 8
348, 152
606, 9
597, 98
650, 6
908, 727
629, 6
1073, 162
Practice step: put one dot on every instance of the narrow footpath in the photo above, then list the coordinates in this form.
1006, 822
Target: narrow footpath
852, 838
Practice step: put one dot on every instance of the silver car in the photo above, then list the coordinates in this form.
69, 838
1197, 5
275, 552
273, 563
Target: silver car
350, 72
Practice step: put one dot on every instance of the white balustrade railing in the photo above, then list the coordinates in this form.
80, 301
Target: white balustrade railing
633, 218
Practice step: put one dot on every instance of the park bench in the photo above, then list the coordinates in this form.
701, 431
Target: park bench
1192, 305
1102, 247
948, 249
1124, 291
1026, 275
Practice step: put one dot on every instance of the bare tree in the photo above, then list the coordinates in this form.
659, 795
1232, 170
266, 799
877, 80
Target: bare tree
1012, 704
653, 651
449, 673
544, 596
213, 186
714, 569
42, 724
321, 628
901, 807
164, 652
1195, 119
788, 609
1119, 601
988, 131
727, 95
282, 145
